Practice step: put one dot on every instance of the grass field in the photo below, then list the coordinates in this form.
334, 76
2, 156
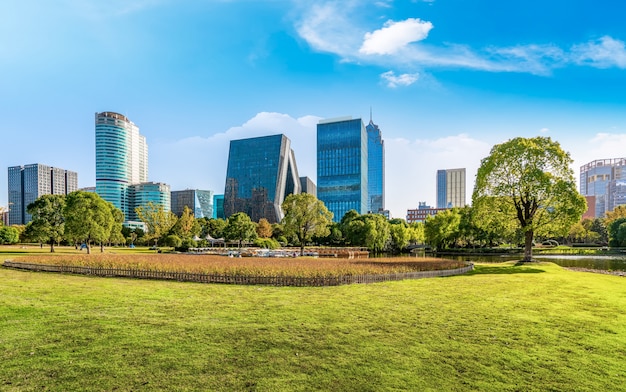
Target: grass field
501, 328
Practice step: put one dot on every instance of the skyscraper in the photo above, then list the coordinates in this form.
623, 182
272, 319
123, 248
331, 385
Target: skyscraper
375, 168
451, 188
121, 159
29, 182
200, 202
605, 179
261, 172
143, 193
342, 165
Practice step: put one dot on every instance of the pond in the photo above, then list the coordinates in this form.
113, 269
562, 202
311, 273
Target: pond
607, 263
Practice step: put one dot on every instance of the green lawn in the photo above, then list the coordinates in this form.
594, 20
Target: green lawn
502, 328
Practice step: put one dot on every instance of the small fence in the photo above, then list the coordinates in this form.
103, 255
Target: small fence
237, 279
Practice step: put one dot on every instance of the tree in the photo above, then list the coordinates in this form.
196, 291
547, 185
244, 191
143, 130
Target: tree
116, 236
618, 212
240, 228
305, 216
88, 218
213, 227
187, 226
400, 234
47, 214
9, 235
442, 229
158, 221
264, 228
416, 233
368, 230
617, 232
531, 180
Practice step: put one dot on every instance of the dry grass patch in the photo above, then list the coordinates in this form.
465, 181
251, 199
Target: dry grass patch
248, 266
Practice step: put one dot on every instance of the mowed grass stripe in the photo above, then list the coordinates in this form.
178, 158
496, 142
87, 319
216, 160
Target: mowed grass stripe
504, 327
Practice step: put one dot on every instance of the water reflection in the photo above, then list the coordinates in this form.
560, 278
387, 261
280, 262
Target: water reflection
607, 263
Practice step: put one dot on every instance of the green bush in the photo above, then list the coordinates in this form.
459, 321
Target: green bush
268, 243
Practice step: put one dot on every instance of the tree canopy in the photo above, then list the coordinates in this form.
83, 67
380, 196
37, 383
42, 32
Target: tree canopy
47, 218
529, 180
88, 218
305, 217
240, 228
158, 221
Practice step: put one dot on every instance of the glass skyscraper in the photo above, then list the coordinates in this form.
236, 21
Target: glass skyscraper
218, 207
451, 188
27, 183
605, 179
375, 169
141, 194
261, 172
342, 166
200, 202
121, 159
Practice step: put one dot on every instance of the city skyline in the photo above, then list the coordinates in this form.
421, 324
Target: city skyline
445, 80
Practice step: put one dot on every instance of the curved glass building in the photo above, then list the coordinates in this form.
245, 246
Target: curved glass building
121, 158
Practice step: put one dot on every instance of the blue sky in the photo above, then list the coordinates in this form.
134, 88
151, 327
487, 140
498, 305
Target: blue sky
446, 80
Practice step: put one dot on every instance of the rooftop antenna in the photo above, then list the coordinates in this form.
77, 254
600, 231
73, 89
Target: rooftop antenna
370, 114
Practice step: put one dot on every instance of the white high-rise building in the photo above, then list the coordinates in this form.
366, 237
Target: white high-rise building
451, 188
121, 159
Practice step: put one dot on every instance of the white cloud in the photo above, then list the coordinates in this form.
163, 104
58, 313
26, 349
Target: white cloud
394, 81
332, 27
544, 130
604, 53
395, 36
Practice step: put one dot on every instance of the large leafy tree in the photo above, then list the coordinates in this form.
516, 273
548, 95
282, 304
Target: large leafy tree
368, 230
441, 230
240, 228
213, 227
264, 228
88, 218
187, 225
529, 180
48, 221
305, 216
158, 221
9, 235
400, 234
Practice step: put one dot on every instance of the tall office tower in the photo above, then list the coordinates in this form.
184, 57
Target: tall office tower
143, 193
121, 159
375, 169
218, 207
261, 172
605, 179
28, 182
200, 202
451, 188
342, 165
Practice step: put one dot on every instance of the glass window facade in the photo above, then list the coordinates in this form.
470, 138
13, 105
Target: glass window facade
218, 207
29, 182
451, 188
342, 166
139, 195
604, 179
261, 173
200, 202
121, 159
375, 169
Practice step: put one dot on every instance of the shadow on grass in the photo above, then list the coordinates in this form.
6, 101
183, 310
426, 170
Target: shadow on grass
517, 268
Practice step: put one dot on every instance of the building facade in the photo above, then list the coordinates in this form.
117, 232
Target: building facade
422, 212
139, 195
308, 186
29, 182
261, 172
218, 207
342, 166
200, 202
451, 188
376, 169
121, 159
605, 179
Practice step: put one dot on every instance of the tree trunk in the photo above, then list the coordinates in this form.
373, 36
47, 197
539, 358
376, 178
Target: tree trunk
528, 245
52, 246
101, 247
88, 248
301, 248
